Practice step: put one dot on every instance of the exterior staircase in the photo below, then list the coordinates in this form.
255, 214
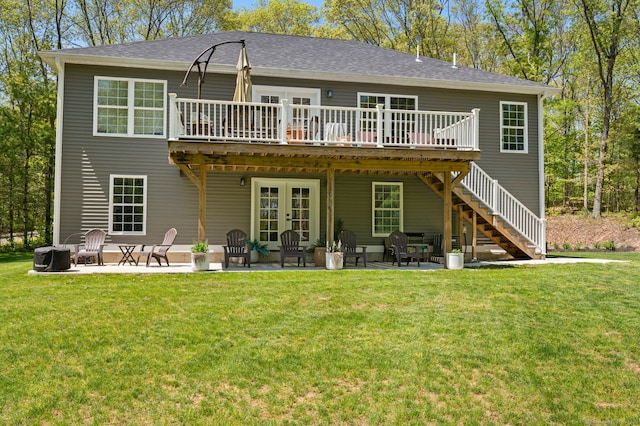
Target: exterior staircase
499, 215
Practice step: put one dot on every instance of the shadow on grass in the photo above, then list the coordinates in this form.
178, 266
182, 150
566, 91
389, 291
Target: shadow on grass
12, 257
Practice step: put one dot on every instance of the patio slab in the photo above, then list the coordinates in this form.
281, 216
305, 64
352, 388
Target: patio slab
184, 268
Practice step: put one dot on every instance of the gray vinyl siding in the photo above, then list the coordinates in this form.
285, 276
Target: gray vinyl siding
172, 199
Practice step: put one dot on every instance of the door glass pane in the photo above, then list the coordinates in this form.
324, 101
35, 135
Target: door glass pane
300, 212
268, 214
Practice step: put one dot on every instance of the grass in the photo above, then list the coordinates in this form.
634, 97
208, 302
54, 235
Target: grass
523, 345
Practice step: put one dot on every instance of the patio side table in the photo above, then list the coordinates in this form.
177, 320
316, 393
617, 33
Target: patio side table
127, 254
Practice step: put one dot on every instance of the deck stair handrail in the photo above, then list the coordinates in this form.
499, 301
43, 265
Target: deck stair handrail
286, 123
506, 207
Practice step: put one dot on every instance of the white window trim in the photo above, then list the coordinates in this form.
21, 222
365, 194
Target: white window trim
387, 98
285, 92
526, 128
144, 205
256, 183
130, 107
373, 207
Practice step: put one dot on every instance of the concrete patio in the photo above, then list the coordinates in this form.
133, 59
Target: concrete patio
183, 268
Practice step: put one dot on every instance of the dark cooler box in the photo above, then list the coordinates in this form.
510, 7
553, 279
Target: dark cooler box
51, 259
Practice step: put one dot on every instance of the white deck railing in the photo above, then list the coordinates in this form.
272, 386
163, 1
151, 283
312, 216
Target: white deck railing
508, 208
191, 119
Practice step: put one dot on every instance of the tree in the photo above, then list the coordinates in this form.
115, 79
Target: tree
608, 24
280, 17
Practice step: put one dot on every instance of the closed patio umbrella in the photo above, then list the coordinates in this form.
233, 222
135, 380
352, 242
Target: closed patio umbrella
243, 80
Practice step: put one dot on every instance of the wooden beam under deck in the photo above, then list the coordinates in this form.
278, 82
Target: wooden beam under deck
317, 159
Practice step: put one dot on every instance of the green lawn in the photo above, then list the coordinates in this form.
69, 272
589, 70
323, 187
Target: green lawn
525, 345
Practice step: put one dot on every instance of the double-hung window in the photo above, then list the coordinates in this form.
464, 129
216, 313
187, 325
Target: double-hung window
127, 204
387, 208
513, 127
129, 107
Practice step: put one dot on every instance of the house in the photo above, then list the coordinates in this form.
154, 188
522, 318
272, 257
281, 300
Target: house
338, 133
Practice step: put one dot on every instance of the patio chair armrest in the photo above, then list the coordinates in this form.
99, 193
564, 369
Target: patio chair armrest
364, 249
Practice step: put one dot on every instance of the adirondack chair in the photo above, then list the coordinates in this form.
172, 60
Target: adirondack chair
350, 247
92, 247
158, 251
237, 247
399, 243
290, 247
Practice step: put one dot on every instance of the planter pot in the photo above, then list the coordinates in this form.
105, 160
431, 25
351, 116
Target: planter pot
319, 257
200, 261
455, 260
254, 256
334, 260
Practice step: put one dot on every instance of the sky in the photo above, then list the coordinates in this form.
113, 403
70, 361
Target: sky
237, 4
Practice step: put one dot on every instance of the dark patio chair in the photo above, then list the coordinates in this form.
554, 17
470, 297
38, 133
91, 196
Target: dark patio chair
158, 251
350, 248
92, 247
400, 245
290, 247
237, 247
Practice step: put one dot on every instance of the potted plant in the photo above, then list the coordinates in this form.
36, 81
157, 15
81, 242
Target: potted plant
455, 259
334, 256
319, 253
257, 248
200, 256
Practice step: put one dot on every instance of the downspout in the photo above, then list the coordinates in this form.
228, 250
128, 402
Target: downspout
57, 182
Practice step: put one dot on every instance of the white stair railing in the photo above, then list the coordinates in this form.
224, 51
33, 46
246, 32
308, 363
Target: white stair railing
508, 208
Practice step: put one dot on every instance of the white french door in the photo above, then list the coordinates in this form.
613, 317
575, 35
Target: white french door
283, 204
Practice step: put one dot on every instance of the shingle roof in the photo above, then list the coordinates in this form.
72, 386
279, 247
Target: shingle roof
305, 57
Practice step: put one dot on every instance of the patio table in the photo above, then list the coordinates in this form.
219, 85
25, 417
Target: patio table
127, 254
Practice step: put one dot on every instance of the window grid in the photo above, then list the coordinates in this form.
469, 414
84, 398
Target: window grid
387, 208
128, 204
513, 127
130, 107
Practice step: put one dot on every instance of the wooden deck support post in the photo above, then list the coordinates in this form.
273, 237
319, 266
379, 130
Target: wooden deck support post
202, 196
474, 237
331, 183
460, 228
448, 205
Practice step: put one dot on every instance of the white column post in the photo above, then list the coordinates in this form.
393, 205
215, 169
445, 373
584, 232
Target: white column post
284, 121
173, 116
476, 128
379, 125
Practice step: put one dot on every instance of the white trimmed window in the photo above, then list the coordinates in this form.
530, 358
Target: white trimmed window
387, 208
127, 205
513, 127
129, 107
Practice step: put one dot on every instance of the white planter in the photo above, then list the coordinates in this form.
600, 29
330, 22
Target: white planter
200, 261
455, 260
334, 260
254, 256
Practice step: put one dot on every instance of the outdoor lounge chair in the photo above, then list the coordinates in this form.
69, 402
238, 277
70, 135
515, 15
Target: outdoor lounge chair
290, 247
237, 247
400, 245
92, 247
158, 251
350, 247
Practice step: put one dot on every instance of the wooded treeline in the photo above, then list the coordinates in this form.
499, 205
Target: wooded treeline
589, 48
